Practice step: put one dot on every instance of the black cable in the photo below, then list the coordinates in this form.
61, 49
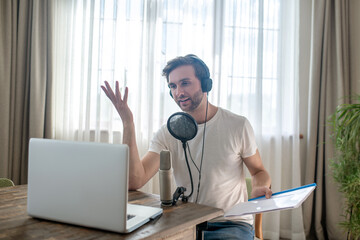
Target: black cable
201, 161
203, 146
192, 157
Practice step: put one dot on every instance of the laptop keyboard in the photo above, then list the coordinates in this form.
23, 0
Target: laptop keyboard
130, 216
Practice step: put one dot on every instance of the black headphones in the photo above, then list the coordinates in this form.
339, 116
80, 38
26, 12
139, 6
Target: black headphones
206, 82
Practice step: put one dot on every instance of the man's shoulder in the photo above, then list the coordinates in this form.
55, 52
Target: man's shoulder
163, 129
229, 115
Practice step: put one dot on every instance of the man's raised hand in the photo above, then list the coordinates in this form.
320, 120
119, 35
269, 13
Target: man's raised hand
119, 103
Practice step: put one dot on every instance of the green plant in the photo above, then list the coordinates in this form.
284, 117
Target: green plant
345, 124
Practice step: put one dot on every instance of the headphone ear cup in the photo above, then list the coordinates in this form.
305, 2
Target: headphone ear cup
206, 85
209, 85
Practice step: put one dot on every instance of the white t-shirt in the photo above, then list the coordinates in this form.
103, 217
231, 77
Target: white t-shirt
228, 139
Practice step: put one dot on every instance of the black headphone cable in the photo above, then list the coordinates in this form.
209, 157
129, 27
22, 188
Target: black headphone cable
202, 151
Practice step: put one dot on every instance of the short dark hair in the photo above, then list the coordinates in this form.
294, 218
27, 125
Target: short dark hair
200, 68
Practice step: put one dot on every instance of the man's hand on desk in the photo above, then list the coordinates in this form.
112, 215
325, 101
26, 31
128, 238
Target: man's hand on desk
261, 191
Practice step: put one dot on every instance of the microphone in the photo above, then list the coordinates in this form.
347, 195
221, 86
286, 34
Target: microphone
165, 178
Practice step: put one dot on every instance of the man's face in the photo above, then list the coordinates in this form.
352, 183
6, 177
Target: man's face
185, 88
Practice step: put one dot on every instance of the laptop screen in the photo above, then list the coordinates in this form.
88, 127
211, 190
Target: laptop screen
78, 182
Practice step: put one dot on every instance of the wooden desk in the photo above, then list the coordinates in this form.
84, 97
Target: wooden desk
178, 222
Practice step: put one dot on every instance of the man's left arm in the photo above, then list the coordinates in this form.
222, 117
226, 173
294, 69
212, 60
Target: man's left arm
261, 180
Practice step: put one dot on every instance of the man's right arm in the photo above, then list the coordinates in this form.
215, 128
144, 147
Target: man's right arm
140, 171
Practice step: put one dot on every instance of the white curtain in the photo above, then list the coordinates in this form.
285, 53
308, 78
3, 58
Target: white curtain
250, 47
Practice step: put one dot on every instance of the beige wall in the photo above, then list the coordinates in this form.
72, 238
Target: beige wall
355, 45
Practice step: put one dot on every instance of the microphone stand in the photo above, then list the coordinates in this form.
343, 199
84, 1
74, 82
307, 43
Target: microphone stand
181, 190
191, 179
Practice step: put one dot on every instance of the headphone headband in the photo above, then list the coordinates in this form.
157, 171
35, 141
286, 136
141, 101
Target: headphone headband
206, 82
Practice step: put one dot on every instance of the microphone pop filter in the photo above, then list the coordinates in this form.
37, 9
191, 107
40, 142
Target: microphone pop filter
182, 126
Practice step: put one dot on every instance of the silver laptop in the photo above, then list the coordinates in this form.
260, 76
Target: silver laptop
83, 183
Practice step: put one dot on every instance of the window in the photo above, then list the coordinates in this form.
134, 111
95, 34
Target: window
131, 41
250, 59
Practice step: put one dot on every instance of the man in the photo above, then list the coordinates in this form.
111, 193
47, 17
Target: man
223, 144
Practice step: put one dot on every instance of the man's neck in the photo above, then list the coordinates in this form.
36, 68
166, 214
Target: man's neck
200, 113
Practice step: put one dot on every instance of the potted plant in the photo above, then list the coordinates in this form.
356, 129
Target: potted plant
345, 124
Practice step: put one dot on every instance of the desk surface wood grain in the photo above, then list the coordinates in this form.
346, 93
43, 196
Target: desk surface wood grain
175, 222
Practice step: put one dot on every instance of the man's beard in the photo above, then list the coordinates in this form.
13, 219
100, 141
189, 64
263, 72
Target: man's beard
195, 101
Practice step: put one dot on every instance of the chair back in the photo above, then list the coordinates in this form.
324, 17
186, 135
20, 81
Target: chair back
5, 182
248, 187
258, 217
